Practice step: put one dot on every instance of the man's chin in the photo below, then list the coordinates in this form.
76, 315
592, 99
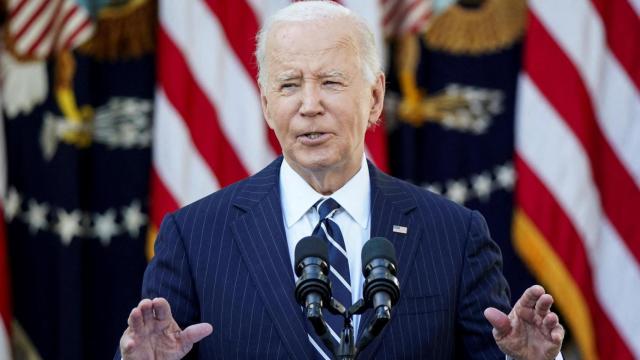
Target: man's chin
314, 163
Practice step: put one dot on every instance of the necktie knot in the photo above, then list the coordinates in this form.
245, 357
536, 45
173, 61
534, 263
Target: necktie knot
326, 207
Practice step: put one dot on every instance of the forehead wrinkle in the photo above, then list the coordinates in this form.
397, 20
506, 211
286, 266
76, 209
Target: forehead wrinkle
279, 53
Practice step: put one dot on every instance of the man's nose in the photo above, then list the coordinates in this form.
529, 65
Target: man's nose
311, 100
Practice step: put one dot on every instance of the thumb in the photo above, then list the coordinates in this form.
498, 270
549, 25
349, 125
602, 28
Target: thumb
195, 333
500, 322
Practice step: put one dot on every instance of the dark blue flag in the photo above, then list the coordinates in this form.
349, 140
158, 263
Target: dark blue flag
451, 103
78, 147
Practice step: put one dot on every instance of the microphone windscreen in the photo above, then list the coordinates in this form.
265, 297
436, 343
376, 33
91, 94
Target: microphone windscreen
311, 246
378, 248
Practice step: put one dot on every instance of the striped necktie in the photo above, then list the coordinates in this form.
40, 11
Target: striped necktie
338, 262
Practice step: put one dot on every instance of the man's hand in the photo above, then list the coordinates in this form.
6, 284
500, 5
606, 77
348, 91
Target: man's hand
153, 334
531, 331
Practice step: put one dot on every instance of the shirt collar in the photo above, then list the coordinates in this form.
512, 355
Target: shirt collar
298, 196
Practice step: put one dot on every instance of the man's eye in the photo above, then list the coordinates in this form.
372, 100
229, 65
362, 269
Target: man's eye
288, 85
333, 84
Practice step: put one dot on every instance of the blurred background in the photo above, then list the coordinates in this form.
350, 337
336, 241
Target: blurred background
115, 112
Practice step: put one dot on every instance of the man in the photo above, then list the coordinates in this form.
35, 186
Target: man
227, 260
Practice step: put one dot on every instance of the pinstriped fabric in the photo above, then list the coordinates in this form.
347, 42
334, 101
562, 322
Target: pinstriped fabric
224, 260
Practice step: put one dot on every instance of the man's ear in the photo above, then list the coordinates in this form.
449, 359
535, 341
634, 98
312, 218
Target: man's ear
265, 107
377, 96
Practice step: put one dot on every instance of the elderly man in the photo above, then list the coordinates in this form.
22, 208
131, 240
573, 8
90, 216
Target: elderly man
227, 259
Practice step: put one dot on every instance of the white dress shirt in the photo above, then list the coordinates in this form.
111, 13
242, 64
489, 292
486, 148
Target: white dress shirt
354, 218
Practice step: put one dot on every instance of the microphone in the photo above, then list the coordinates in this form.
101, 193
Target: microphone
313, 289
381, 287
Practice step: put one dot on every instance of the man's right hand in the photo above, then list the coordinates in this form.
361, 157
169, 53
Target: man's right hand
153, 334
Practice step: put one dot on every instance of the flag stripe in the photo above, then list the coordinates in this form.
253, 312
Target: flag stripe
549, 268
79, 34
45, 37
22, 13
618, 191
32, 18
179, 165
550, 148
240, 34
163, 201
200, 117
617, 112
222, 79
623, 34
72, 20
69, 12
36, 29
376, 149
241, 37
551, 223
15, 7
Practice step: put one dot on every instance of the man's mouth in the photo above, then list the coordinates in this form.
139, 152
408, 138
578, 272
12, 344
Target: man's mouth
313, 135
313, 138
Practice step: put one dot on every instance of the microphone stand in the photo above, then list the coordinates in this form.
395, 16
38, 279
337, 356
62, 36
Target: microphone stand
347, 349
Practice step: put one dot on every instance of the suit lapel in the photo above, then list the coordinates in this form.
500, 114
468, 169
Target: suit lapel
260, 236
391, 204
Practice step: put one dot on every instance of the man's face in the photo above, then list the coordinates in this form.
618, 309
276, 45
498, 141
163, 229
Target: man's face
316, 98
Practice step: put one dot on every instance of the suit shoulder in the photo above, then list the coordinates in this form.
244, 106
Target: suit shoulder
212, 202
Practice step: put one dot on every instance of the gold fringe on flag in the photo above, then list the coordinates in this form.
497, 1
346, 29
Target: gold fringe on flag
21, 345
152, 234
123, 31
535, 251
490, 27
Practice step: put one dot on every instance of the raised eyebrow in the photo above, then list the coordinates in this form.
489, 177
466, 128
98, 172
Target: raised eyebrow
334, 74
287, 77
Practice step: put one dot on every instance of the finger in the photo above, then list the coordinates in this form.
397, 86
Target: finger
135, 320
500, 322
531, 296
195, 333
525, 306
543, 305
550, 321
557, 334
127, 345
161, 309
145, 306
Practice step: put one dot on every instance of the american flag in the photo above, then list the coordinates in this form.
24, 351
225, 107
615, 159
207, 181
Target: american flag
38, 28
400, 17
577, 143
209, 130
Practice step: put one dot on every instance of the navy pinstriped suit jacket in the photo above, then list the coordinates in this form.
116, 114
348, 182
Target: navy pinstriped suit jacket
224, 260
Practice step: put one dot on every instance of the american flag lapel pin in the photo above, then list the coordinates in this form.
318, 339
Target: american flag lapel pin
399, 229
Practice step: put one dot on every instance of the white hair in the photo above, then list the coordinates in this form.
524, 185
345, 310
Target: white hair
321, 10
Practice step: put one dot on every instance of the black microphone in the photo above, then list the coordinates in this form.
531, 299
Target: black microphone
313, 290
312, 287
381, 287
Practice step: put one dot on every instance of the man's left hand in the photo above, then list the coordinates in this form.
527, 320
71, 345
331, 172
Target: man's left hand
531, 330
